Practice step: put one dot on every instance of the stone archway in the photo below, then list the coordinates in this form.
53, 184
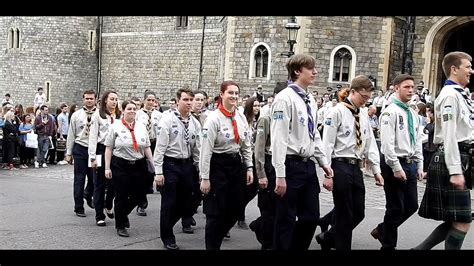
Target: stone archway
434, 49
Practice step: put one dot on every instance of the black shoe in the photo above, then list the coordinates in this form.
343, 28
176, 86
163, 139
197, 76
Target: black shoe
109, 214
80, 213
172, 246
188, 230
89, 202
193, 222
242, 225
141, 211
321, 241
252, 226
100, 223
122, 232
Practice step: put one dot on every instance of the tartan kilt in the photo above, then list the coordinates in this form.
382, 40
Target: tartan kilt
441, 201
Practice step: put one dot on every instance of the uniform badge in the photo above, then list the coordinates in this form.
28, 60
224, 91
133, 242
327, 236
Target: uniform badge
123, 131
204, 133
143, 140
227, 135
386, 113
176, 132
300, 113
347, 133
81, 127
302, 120
400, 119
259, 131
278, 115
447, 117
193, 137
245, 134
174, 125
401, 127
328, 121
225, 129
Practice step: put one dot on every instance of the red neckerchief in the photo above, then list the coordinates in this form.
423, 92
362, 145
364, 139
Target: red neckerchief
135, 145
232, 118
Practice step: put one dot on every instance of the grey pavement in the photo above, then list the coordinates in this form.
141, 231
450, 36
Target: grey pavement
36, 212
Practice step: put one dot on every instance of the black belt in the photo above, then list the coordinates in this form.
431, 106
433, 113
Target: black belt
298, 158
129, 162
178, 160
407, 160
352, 161
227, 155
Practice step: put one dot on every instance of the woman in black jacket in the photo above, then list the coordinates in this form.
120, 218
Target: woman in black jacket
10, 139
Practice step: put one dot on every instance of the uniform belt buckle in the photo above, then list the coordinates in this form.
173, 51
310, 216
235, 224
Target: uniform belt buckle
131, 162
304, 159
409, 161
352, 161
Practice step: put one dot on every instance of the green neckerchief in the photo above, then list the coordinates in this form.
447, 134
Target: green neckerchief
405, 107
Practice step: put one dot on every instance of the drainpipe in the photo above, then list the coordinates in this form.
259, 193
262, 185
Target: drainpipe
99, 50
202, 52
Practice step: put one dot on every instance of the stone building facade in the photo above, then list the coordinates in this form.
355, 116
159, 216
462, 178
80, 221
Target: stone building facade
133, 54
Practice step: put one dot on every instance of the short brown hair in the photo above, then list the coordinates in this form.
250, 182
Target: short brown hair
362, 82
186, 90
401, 78
297, 62
88, 92
453, 59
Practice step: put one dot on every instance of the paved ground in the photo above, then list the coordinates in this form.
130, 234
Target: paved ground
36, 212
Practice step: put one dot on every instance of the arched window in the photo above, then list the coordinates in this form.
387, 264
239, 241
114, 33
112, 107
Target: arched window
11, 38
261, 62
260, 58
342, 64
17, 39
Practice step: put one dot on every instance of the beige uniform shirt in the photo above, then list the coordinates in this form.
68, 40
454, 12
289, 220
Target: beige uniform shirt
339, 139
395, 137
142, 117
289, 130
99, 130
262, 144
170, 140
454, 123
77, 130
218, 137
120, 140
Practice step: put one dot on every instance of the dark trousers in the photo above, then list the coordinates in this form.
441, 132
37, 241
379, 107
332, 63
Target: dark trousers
143, 200
427, 155
349, 203
52, 152
401, 202
196, 199
129, 181
26, 154
81, 156
60, 154
264, 225
249, 194
175, 195
8, 151
222, 204
301, 200
99, 186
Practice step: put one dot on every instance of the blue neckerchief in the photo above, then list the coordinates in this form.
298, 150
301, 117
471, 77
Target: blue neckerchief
462, 92
306, 100
450, 82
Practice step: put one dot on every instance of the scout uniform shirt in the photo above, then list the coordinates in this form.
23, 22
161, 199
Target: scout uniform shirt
119, 140
99, 130
172, 140
289, 130
79, 129
454, 123
395, 137
142, 117
339, 138
218, 137
262, 144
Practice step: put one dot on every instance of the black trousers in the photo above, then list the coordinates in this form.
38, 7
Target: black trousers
301, 200
176, 195
143, 200
196, 199
264, 225
8, 151
349, 203
401, 202
250, 193
129, 181
100, 183
81, 156
223, 202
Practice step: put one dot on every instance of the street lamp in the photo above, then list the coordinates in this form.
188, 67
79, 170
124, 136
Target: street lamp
292, 28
